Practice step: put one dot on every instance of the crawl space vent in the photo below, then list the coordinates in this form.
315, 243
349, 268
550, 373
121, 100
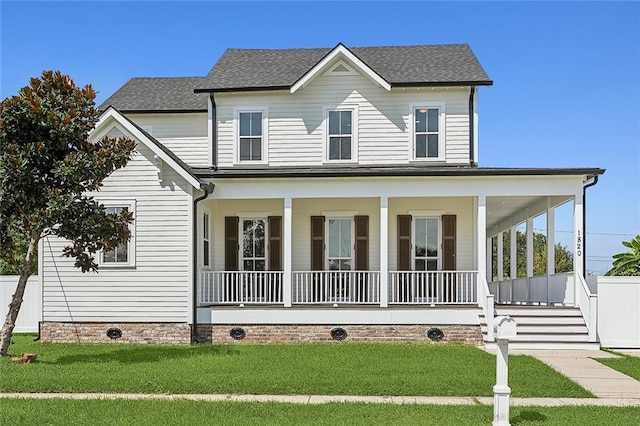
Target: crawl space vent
338, 333
237, 333
435, 334
114, 333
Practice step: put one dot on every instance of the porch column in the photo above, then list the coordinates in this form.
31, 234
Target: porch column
578, 238
489, 259
529, 247
481, 229
551, 238
287, 231
384, 252
500, 257
513, 267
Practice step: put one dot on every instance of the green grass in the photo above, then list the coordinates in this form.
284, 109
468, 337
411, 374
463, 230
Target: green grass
147, 412
626, 364
331, 369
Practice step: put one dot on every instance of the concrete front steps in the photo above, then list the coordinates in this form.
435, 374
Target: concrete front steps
544, 327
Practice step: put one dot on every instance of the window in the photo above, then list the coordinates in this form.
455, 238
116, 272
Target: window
253, 250
124, 254
426, 244
251, 135
340, 254
341, 134
428, 132
205, 239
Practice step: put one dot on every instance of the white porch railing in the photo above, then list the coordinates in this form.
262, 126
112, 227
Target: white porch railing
588, 304
556, 288
486, 300
361, 287
433, 287
240, 287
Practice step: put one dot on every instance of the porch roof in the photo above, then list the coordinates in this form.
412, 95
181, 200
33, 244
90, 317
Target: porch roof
383, 170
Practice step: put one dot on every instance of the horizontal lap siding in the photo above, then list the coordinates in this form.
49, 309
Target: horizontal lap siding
296, 135
157, 289
184, 134
462, 207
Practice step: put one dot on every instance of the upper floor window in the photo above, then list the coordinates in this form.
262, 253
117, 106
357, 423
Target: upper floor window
341, 133
205, 240
124, 254
428, 132
251, 135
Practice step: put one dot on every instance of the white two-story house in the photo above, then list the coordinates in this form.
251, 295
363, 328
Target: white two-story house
316, 194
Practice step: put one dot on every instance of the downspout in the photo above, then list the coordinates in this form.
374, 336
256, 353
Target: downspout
214, 133
208, 190
472, 160
584, 224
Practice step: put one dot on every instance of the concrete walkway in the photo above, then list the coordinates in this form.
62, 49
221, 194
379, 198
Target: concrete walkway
581, 367
326, 399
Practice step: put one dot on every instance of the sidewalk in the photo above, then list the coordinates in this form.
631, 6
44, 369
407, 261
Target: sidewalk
581, 367
326, 399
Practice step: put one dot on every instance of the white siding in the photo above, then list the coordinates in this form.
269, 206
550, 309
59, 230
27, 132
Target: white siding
155, 290
296, 134
184, 134
303, 209
462, 207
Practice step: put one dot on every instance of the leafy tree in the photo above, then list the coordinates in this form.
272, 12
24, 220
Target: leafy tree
47, 166
628, 263
563, 257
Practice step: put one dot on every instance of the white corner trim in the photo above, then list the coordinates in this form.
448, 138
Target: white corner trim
113, 114
340, 50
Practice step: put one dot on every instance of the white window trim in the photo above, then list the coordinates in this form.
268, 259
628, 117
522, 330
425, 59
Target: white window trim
255, 216
236, 134
354, 132
413, 240
206, 237
442, 131
131, 254
341, 216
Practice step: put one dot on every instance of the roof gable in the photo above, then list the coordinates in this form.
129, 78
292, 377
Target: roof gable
112, 114
339, 52
400, 66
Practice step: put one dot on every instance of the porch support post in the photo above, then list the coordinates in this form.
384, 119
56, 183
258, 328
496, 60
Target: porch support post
287, 230
551, 238
578, 238
500, 249
489, 259
529, 247
384, 252
513, 267
481, 229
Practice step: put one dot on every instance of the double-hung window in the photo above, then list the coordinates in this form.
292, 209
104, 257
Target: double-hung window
340, 253
341, 133
254, 244
251, 136
426, 240
123, 254
428, 132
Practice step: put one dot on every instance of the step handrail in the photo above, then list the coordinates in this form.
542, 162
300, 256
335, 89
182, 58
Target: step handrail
487, 301
588, 304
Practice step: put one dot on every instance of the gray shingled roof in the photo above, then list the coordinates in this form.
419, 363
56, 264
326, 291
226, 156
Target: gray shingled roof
158, 94
251, 69
399, 65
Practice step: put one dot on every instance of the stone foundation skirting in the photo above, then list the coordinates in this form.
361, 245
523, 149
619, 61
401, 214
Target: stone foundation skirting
96, 332
309, 333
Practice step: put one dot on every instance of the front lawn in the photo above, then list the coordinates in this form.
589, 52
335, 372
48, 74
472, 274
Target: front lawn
626, 364
320, 369
148, 412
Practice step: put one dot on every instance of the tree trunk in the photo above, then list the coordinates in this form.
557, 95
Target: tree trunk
16, 301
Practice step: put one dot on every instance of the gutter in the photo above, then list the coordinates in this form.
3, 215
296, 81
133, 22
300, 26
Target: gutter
208, 190
472, 135
584, 224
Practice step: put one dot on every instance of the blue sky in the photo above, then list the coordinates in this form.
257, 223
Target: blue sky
566, 75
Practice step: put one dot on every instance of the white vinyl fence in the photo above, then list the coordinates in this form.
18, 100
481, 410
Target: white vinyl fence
619, 312
31, 311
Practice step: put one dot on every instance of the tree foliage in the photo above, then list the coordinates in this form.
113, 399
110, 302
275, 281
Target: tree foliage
627, 263
563, 257
47, 166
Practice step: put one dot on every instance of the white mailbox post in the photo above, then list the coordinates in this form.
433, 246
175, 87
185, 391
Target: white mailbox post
505, 329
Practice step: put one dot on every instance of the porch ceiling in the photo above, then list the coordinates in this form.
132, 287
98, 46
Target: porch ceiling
505, 211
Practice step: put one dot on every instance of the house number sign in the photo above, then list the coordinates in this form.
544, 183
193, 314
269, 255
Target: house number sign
579, 244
